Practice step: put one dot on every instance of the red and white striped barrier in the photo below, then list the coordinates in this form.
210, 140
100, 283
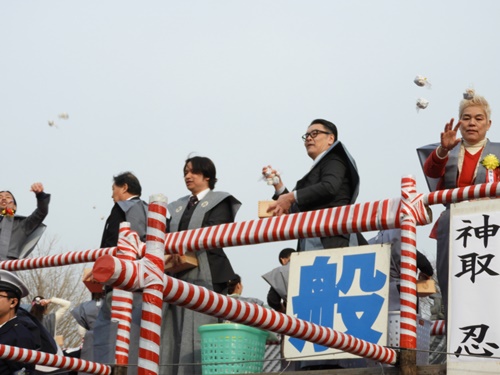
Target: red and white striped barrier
361, 217
364, 217
467, 193
71, 257
203, 300
208, 302
12, 353
327, 222
341, 220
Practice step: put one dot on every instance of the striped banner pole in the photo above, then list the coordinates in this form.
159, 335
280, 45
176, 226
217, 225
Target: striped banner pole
129, 246
153, 283
408, 290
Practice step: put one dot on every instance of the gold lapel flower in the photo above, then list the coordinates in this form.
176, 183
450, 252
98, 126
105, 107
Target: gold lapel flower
9, 212
490, 162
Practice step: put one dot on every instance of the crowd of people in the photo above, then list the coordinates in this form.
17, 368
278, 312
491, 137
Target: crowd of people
332, 181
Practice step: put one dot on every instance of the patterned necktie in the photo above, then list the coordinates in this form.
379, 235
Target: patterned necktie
192, 201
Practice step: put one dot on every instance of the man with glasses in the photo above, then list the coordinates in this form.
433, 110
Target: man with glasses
13, 331
332, 181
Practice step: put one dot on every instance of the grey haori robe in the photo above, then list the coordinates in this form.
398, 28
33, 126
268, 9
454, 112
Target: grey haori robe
180, 351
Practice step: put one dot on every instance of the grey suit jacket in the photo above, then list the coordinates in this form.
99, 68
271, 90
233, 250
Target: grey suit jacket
19, 234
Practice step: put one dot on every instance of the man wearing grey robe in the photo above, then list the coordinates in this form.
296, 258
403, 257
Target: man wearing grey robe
180, 350
20, 234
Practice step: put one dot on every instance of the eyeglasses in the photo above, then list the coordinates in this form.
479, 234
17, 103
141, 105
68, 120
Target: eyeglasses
314, 134
1, 295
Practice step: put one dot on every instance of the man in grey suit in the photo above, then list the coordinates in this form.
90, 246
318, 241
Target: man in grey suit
19, 234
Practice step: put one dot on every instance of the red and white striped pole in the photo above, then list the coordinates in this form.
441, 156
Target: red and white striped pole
153, 282
467, 193
71, 257
438, 328
408, 290
361, 217
327, 222
129, 246
12, 353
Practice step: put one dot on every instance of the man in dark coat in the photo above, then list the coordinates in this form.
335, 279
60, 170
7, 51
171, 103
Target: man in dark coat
13, 331
128, 207
332, 181
278, 280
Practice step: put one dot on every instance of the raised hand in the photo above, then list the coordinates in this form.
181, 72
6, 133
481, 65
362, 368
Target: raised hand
37, 187
449, 137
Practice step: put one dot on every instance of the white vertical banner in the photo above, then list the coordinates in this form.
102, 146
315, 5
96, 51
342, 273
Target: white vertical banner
473, 325
345, 289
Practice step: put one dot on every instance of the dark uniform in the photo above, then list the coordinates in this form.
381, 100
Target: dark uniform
20, 329
15, 333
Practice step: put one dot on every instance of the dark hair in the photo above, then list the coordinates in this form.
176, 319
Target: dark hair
13, 198
134, 186
96, 296
38, 310
285, 253
204, 166
231, 284
329, 125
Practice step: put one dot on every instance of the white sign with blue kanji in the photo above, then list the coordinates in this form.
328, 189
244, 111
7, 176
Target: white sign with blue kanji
345, 289
473, 310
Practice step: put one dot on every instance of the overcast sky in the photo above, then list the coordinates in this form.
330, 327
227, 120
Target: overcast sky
146, 83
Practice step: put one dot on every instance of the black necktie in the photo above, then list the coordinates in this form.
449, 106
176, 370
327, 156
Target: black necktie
192, 201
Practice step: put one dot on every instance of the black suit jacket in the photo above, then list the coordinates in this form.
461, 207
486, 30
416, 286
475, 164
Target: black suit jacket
332, 182
112, 226
16, 333
220, 266
328, 184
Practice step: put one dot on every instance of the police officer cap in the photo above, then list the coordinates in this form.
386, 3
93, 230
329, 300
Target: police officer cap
11, 283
